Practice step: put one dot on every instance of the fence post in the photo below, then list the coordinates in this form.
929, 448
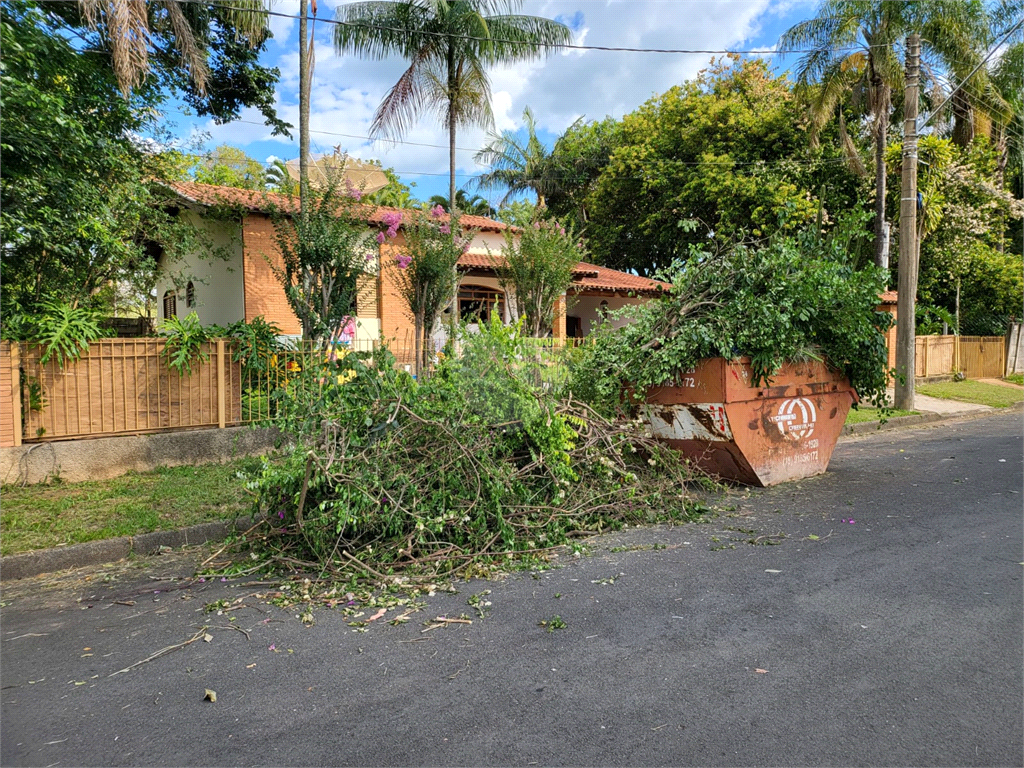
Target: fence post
16, 414
221, 394
927, 344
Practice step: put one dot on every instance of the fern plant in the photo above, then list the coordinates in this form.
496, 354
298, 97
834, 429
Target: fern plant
184, 342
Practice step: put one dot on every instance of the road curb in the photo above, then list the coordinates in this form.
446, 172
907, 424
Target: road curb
29, 564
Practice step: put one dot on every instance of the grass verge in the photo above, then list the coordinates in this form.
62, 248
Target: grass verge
42, 516
969, 391
864, 413
1016, 378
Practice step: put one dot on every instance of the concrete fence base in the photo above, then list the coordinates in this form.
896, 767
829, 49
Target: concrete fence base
106, 457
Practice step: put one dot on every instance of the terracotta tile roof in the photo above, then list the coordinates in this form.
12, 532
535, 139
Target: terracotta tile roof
585, 276
888, 297
604, 279
263, 202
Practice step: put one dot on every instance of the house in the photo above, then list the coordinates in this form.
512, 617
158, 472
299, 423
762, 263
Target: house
239, 281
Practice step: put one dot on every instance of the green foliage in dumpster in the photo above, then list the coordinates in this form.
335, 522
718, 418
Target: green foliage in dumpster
790, 299
481, 463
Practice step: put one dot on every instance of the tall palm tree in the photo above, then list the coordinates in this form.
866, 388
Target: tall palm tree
128, 28
853, 46
449, 44
475, 205
519, 163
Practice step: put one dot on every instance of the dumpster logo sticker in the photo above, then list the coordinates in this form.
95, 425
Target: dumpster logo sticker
796, 418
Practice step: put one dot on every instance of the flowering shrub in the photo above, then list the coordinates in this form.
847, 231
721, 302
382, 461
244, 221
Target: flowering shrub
426, 273
324, 255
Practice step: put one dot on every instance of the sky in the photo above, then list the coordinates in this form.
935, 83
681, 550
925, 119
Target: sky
559, 88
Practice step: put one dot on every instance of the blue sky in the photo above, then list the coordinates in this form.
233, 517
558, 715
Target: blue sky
559, 89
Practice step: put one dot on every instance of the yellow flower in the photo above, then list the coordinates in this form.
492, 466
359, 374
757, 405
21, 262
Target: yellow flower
346, 377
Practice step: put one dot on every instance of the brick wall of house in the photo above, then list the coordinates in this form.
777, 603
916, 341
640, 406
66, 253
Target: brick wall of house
263, 292
395, 324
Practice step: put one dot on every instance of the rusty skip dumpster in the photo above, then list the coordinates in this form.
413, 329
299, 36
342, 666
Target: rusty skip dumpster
785, 429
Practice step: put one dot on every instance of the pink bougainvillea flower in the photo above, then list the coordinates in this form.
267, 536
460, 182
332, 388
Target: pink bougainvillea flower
445, 229
354, 191
381, 238
536, 225
437, 211
561, 230
370, 257
403, 261
391, 219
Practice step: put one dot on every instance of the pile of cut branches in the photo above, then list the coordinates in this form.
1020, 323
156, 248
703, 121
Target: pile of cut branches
477, 465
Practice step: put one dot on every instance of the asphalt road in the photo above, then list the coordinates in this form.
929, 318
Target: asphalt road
893, 638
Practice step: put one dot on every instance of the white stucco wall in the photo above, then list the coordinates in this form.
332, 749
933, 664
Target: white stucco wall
587, 308
218, 282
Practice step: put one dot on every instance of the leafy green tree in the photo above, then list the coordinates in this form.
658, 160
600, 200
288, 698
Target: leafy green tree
721, 157
324, 254
475, 205
79, 212
450, 44
395, 194
425, 272
536, 268
279, 179
853, 50
966, 223
207, 53
229, 166
578, 159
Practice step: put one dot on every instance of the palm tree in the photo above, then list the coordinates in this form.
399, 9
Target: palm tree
475, 206
519, 163
449, 44
127, 27
853, 46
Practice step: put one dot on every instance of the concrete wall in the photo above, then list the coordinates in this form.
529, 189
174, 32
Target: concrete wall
218, 282
105, 457
1014, 349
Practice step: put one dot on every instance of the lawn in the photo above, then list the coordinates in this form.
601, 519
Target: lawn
40, 516
995, 395
1016, 378
865, 413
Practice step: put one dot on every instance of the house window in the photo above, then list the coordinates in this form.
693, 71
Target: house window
477, 302
170, 305
190, 295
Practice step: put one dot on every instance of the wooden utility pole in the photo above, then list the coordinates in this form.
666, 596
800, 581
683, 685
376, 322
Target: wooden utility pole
905, 320
305, 73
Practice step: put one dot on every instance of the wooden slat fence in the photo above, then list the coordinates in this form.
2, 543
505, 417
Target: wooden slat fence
978, 357
124, 386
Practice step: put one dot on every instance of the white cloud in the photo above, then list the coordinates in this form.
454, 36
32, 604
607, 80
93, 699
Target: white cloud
559, 88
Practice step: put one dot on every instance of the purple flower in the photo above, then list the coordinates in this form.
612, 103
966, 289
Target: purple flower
403, 261
437, 212
224, 578
536, 225
445, 229
380, 238
392, 232
280, 514
561, 230
391, 219
202, 581
354, 191
370, 257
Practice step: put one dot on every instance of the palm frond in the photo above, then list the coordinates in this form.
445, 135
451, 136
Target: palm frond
192, 57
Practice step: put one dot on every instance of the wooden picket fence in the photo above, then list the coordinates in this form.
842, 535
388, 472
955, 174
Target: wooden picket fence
979, 357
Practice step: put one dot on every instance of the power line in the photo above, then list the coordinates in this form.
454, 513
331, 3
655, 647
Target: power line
560, 46
963, 82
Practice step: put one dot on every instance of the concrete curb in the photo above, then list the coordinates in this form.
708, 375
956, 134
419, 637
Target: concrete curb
28, 564
109, 550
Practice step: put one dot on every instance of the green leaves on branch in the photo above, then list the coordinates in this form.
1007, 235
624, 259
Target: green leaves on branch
536, 268
184, 341
795, 298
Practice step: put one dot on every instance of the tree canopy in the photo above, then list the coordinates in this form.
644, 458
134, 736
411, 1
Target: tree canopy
716, 158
